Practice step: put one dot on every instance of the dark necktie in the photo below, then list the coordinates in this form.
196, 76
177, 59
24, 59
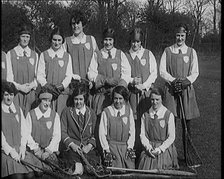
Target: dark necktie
155, 116
10, 110
81, 120
118, 114
24, 53
180, 51
109, 54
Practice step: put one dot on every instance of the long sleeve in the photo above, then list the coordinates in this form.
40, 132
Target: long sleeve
131, 139
171, 134
41, 75
68, 74
153, 71
144, 140
92, 139
10, 76
30, 141
103, 131
194, 72
162, 69
24, 130
65, 138
92, 69
34, 82
125, 68
56, 137
5, 146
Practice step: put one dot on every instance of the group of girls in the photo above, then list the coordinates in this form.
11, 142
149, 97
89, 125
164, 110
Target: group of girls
113, 106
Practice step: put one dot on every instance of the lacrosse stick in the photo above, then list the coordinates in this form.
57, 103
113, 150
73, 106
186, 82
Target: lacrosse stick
93, 170
192, 158
46, 171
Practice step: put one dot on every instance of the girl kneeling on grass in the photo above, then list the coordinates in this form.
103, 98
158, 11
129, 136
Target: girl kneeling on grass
157, 136
117, 131
14, 137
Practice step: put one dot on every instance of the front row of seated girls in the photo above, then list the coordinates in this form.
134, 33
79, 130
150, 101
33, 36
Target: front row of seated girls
38, 136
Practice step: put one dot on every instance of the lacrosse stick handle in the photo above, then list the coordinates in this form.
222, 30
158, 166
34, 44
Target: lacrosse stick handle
183, 118
32, 166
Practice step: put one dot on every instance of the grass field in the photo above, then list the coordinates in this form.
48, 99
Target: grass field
206, 130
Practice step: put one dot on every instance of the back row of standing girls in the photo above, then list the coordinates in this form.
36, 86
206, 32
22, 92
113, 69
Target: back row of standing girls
105, 69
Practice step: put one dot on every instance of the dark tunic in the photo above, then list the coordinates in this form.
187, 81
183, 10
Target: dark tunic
81, 55
55, 73
42, 129
140, 103
157, 135
117, 136
107, 68
24, 72
11, 129
179, 66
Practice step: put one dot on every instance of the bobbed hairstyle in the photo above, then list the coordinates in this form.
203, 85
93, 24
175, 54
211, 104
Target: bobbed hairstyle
78, 88
182, 27
157, 91
136, 35
57, 31
8, 87
78, 16
123, 91
109, 32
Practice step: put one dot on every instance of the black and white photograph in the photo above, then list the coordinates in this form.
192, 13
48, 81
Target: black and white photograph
110, 89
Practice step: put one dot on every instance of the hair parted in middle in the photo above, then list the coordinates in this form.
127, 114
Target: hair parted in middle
57, 31
123, 91
137, 34
182, 27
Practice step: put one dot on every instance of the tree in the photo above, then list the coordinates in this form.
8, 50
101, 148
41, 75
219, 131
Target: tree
12, 18
197, 9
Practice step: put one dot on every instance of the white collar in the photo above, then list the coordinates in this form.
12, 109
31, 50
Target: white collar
76, 40
139, 53
5, 107
105, 54
122, 110
82, 110
59, 52
20, 51
160, 112
39, 113
175, 48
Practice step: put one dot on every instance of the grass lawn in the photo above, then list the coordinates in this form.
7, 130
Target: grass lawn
206, 130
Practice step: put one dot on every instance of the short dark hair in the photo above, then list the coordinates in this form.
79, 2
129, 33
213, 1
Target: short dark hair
183, 26
25, 29
123, 91
157, 91
8, 87
78, 16
78, 88
109, 32
57, 31
136, 33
